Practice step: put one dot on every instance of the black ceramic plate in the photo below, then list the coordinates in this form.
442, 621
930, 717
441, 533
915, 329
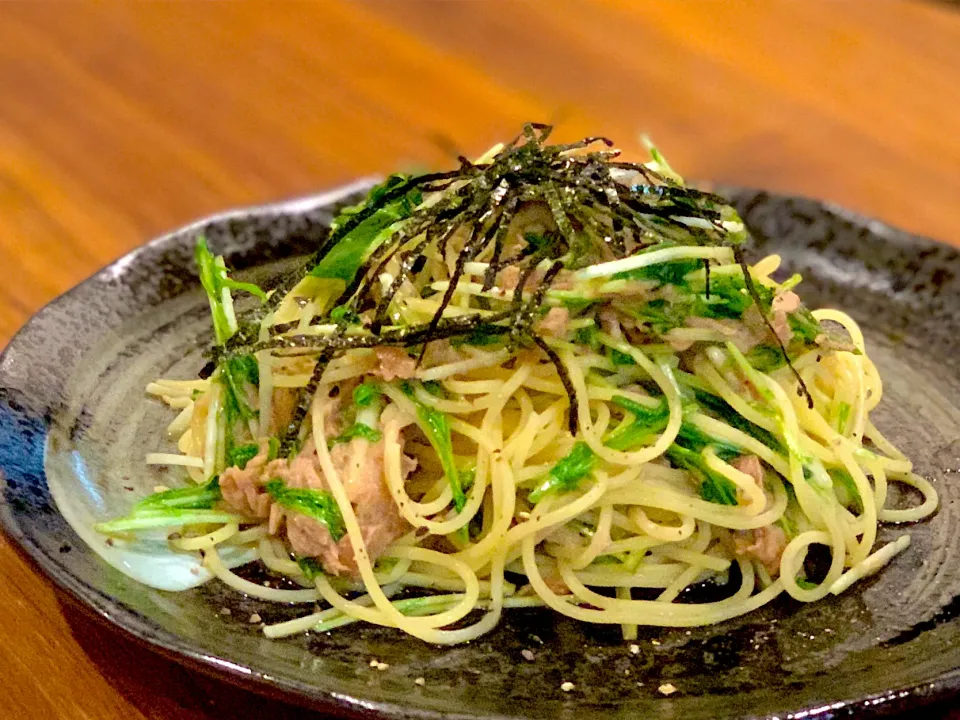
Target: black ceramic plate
74, 426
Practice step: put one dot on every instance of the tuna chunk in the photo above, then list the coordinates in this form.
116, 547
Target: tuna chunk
360, 467
508, 278
745, 335
395, 363
783, 304
610, 322
243, 489
764, 544
441, 352
787, 302
750, 465
555, 322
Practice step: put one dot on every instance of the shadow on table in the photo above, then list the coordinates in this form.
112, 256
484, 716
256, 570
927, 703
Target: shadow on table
162, 689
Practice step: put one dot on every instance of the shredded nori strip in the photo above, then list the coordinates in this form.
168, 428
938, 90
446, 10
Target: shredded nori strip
597, 216
565, 380
748, 283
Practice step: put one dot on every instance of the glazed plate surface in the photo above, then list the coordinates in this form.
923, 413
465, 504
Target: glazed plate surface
75, 426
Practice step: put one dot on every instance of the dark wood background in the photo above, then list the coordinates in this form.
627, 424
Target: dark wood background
121, 120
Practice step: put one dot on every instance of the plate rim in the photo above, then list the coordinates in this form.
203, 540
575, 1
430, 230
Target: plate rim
136, 627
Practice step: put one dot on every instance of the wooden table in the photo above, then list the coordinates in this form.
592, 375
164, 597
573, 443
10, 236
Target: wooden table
120, 121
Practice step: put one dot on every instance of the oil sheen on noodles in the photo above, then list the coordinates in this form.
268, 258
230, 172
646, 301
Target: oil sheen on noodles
604, 432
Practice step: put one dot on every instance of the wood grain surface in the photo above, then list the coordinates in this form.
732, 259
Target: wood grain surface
118, 121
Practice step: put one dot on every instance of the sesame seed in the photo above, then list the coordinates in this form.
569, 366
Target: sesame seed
420, 681
654, 642
528, 655
160, 488
635, 649
225, 611
667, 689
567, 686
254, 619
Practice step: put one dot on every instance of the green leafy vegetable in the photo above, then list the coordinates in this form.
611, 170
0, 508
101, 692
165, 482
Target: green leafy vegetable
589, 336
467, 478
723, 411
621, 358
662, 317
848, 494
365, 394
576, 303
198, 497
646, 423
843, 415
273, 449
693, 438
436, 426
240, 455
671, 272
434, 387
766, 358
718, 307
788, 525
317, 504
357, 430
180, 506
343, 314
310, 567
214, 279
346, 257
659, 162
804, 325
717, 489
732, 288
236, 373
539, 243
714, 487
567, 473
483, 336
805, 584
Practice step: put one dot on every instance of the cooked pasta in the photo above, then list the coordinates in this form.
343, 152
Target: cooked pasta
545, 379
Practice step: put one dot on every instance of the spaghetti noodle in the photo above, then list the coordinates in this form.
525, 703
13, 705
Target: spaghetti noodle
547, 378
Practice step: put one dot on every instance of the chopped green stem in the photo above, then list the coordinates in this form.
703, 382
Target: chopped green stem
147, 520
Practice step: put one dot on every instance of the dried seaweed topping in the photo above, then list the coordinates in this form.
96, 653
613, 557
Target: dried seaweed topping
450, 228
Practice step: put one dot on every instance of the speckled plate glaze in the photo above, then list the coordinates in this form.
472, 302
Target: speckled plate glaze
73, 417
